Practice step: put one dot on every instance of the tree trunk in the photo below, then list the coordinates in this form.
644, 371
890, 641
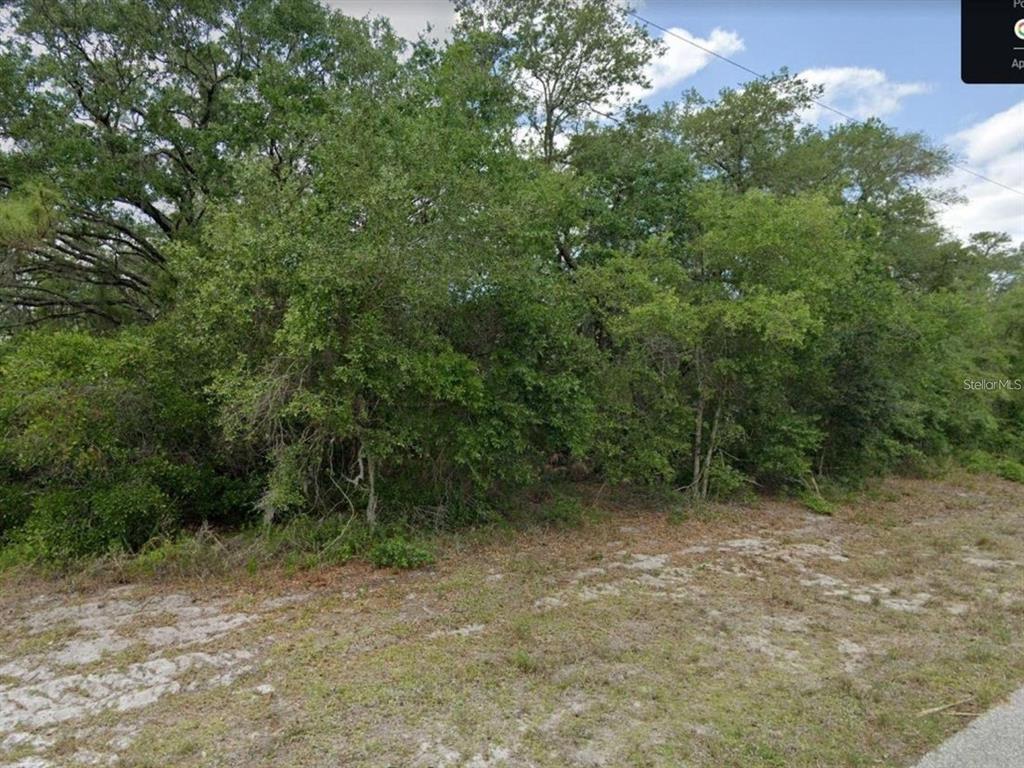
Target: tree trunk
712, 446
697, 445
371, 502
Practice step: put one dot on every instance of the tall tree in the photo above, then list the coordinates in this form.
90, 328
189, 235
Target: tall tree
133, 114
571, 59
393, 333
743, 137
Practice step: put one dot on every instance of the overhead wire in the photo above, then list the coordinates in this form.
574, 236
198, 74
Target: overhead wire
817, 102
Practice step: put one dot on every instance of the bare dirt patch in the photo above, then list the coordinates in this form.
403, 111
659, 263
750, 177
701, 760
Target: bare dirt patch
116, 652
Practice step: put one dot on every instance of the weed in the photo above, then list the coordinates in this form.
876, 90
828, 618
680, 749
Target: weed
817, 504
524, 662
399, 552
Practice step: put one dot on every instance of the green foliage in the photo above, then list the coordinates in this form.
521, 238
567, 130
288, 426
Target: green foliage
586, 53
106, 440
747, 137
74, 405
817, 503
15, 507
562, 512
140, 112
67, 524
1007, 468
280, 269
1010, 470
399, 552
26, 216
727, 482
407, 359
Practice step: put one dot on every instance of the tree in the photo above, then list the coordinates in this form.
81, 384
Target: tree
134, 115
635, 180
744, 137
364, 295
391, 335
572, 60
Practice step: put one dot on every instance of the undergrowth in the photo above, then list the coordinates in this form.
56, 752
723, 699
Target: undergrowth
1001, 466
307, 542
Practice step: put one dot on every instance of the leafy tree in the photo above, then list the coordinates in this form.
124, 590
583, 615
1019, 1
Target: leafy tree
393, 333
134, 114
745, 137
571, 60
635, 180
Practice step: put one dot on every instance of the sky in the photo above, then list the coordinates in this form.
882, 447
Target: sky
898, 60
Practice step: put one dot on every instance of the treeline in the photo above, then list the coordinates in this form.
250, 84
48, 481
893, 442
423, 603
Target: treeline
260, 259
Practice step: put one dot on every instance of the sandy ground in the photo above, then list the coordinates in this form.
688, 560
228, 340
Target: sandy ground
633, 641
77, 657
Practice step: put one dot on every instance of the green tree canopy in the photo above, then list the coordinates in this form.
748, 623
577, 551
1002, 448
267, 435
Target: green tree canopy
134, 114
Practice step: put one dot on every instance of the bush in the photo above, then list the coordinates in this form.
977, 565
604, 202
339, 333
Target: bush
105, 441
67, 524
727, 482
399, 552
563, 512
15, 507
1006, 468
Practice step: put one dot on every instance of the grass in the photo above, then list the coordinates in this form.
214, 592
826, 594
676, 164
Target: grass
305, 543
721, 653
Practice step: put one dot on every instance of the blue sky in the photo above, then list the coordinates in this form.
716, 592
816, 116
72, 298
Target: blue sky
911, 41
894, 59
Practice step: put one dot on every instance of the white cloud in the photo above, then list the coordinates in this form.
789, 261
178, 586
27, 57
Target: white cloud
993, 137
682, 60
858, 91
408, 17
994, 148
679, 61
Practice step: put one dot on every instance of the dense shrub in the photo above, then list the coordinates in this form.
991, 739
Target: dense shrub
68, 524
1008, 468
15, 507
104, 442
400, 552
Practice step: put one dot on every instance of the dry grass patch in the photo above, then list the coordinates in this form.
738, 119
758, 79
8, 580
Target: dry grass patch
752, 636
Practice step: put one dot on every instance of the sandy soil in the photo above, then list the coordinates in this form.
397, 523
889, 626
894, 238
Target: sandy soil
549, 648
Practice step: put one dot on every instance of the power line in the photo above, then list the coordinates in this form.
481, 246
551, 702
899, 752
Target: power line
817, 102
